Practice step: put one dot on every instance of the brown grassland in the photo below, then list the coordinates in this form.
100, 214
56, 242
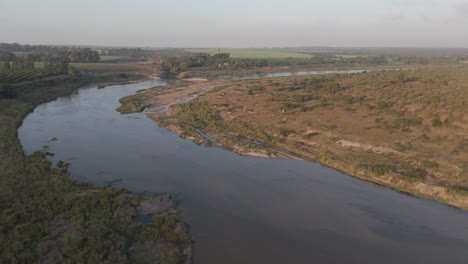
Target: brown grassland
404, 129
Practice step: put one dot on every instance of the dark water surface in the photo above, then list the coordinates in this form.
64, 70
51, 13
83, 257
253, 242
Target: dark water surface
244, 209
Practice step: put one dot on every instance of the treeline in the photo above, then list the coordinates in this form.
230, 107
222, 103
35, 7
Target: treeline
129, 52
177, 64
56, 63
330, 59
16, 47
40, 53
21, 63
173, 65
83, 55
57, 66
7, 56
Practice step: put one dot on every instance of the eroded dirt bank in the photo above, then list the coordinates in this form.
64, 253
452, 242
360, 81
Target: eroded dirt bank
405, 130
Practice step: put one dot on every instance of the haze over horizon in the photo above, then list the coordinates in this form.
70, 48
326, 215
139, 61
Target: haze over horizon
242, 23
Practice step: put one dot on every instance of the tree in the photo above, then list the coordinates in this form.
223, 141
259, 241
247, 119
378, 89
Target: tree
6, 65
401, 78
73, 71
15, 65
7, 56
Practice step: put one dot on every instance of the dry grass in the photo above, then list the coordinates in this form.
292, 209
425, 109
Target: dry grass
407, 130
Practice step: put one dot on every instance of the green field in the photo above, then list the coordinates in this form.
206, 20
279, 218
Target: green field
23, 75
40, 72
254, 53
20, 53
114, 58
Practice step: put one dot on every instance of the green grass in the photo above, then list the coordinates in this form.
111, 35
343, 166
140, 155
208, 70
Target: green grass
115, 58
20, 53
254, 53
109, 58
39, 65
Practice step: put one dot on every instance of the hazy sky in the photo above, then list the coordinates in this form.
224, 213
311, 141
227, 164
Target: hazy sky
236, 23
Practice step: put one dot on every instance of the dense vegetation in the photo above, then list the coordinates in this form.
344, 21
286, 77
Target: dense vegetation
176, 64
47, 53
45, 217
15, 68
243, 61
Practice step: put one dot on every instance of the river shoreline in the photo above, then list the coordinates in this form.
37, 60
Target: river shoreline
433, 192
64, 222
156, 99
228, 199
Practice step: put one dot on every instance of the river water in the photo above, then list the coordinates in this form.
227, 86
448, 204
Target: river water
244, 209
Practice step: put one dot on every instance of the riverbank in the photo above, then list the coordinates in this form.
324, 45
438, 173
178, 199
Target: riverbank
46, 217
219, 73
406, 131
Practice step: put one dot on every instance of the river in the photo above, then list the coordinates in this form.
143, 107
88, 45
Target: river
244, 209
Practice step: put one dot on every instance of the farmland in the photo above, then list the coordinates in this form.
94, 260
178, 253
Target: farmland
108, 59
23, 75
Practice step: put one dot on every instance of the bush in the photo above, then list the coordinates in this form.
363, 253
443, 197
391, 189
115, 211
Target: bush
374, 169
311, 135
286, 132
289, 106
436, 122
406, 122
382, 105
424, 137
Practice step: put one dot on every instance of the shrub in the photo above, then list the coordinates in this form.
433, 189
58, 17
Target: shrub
424, 137
381, 105
289, 106
286, 132
374, 169
406, 122
313, 134
436, 122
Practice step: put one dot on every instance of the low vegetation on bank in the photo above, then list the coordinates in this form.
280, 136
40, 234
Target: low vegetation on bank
46, 217
403, 129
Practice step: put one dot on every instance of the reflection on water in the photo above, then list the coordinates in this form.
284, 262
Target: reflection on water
243, 209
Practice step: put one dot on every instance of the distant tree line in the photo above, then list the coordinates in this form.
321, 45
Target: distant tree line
9, 61
57, 65
44, 53
83, 55
7, 56
177, 64
128, 52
